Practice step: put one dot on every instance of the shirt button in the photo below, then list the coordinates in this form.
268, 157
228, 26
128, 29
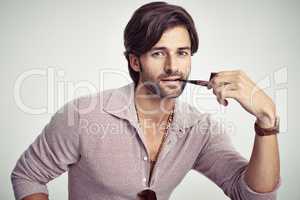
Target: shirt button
144, 179
145, 158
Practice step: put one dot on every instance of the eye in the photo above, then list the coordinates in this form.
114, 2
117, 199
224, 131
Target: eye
183, 53
158, 53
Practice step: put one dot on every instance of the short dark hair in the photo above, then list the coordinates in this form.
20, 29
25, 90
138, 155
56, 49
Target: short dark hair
147, 25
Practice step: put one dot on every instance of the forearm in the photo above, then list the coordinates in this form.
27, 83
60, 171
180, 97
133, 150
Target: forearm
38, 196
263, 170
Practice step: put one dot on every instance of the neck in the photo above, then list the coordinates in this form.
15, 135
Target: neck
152, 107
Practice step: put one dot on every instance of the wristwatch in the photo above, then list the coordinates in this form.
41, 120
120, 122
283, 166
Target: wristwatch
267, 131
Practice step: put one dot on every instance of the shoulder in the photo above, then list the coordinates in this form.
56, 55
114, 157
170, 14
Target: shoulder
70, 113
93, 103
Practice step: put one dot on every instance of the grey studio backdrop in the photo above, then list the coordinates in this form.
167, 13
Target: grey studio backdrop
53, 51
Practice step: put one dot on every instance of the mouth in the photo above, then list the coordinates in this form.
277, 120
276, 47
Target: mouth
174, 78
173, 82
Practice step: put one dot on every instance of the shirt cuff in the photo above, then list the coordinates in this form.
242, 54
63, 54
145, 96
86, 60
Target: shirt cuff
26, 188
251, 194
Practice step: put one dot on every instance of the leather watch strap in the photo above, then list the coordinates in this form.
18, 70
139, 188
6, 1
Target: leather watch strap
267, 131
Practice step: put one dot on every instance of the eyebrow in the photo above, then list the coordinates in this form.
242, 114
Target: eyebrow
165, 48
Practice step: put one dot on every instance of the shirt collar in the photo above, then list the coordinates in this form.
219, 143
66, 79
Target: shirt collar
121, 104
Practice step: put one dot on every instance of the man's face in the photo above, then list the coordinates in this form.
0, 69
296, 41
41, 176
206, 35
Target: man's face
169, 58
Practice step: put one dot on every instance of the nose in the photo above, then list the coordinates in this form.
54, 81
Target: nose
171, 65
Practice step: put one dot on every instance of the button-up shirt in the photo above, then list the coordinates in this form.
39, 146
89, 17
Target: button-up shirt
97, 139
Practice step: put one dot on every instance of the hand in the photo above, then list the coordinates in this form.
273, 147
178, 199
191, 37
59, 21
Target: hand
237, 85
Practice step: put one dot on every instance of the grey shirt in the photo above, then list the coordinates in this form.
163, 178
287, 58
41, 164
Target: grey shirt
97, 139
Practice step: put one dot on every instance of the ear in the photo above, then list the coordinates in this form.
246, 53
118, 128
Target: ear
134, 62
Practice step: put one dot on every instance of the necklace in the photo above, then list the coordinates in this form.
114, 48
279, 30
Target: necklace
169, 121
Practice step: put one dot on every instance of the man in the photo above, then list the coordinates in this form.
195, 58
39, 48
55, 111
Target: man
139, 141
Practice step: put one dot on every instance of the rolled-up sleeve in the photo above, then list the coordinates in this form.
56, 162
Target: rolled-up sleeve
220, 162
50, 155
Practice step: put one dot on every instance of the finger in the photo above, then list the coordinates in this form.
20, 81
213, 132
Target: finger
228, 72
225, 91
227, 85
238, 79
230, 76
218, 92
221, 80
223, 102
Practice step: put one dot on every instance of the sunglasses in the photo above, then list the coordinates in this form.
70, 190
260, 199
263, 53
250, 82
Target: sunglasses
146, 195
